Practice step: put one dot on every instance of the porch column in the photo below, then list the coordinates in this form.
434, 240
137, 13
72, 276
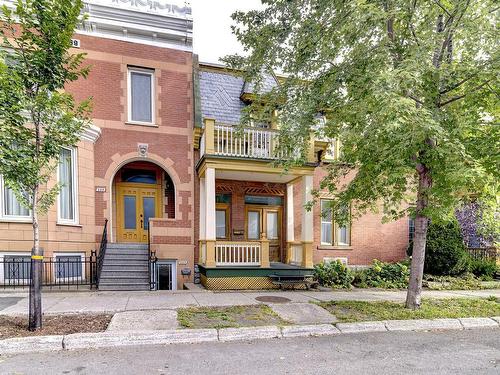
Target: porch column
210, 216
307, 222
290, 223
202, 248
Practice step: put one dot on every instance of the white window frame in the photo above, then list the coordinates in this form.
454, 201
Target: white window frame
68, 254
2, 270
74, 192
150, 72
335, 230
3, 215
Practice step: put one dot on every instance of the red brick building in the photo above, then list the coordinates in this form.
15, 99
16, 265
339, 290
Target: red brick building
163, 174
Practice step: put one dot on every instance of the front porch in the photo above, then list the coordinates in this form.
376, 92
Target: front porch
248, 214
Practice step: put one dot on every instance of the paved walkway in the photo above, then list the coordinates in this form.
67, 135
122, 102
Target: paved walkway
110, 302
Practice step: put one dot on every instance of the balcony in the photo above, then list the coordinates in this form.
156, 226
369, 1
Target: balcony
243, 143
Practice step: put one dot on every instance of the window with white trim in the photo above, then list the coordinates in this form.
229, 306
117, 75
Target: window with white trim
141, 96
332, 234
10, 207
68, 198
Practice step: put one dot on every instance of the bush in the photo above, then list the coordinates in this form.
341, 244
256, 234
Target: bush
445, 252
485, 269
385, 275
466, 281
333, 274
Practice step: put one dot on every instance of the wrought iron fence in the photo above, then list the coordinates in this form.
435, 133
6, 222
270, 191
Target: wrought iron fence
72, 271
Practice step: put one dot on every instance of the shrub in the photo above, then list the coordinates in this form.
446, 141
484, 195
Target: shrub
485, 269
386, 275
333, 274
445, 252
360, 279
466, 281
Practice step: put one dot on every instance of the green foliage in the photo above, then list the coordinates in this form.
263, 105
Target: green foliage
384, 275
466, 281
406, 86
333, 274
38, 118
445, 251
485, 269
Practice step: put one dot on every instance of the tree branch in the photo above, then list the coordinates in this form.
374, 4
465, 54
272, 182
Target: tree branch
438, 3
458, 97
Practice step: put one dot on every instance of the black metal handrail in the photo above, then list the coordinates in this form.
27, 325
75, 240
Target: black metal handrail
152, 261
102, 251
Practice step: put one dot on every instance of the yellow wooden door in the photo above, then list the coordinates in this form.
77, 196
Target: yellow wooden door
136, 204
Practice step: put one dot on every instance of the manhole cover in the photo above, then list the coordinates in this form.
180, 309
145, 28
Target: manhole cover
272, 299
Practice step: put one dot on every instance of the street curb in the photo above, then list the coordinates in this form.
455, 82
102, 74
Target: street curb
31, 344
75, 341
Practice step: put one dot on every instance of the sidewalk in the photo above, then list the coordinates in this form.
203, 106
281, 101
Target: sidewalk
111, 302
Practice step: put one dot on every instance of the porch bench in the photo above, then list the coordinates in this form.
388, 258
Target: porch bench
284, 281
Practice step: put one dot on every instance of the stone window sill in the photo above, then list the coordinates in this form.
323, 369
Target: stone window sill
326, 247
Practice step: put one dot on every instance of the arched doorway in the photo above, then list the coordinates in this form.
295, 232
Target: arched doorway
142, 190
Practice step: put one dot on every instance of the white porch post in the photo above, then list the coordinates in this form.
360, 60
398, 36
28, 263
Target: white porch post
210, 216
290, 223
202, 243
307, 222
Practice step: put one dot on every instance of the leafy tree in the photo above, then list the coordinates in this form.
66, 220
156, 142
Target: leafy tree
409, 87
37, 117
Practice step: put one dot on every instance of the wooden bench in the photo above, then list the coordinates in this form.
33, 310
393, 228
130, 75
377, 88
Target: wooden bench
284, 281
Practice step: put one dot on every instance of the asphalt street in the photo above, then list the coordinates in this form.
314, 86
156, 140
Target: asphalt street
446, 352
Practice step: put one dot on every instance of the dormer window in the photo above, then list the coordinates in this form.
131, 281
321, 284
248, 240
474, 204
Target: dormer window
141, 96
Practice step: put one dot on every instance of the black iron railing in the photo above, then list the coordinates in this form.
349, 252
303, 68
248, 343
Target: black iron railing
102, 251
68, 271
152, 261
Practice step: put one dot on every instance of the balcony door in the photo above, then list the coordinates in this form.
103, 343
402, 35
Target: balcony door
136, 204
265, 220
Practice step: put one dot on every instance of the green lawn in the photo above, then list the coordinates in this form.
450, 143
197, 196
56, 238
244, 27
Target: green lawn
358, 311
222, 317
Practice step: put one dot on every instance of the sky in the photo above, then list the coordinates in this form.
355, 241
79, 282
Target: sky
212, 37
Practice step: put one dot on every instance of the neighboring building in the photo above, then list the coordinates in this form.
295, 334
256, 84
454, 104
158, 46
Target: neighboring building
193, 191
137, 160
248, 207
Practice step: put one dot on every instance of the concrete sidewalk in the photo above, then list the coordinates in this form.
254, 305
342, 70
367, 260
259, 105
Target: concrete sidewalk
110, 302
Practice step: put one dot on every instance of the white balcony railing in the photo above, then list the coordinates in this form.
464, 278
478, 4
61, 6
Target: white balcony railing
237, 253
247, 142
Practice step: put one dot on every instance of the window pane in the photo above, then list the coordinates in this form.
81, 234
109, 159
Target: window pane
326, 210
326, 233
141, 97
149, 210
12, 205
130, 212
253, 225
220, 223
68, 266
272, 225
343, 236
66, 179
17, 267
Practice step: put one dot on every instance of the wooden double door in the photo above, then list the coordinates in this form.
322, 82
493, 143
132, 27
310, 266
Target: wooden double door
265, 219
136, 203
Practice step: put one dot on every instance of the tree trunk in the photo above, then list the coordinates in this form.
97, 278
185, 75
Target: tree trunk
413, 298
35, 301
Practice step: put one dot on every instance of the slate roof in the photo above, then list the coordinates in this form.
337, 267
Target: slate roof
220, 94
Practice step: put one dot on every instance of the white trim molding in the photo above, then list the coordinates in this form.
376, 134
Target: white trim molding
91, 133
74, 190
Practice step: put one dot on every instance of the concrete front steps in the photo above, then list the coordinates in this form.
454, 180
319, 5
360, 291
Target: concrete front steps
125, 267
